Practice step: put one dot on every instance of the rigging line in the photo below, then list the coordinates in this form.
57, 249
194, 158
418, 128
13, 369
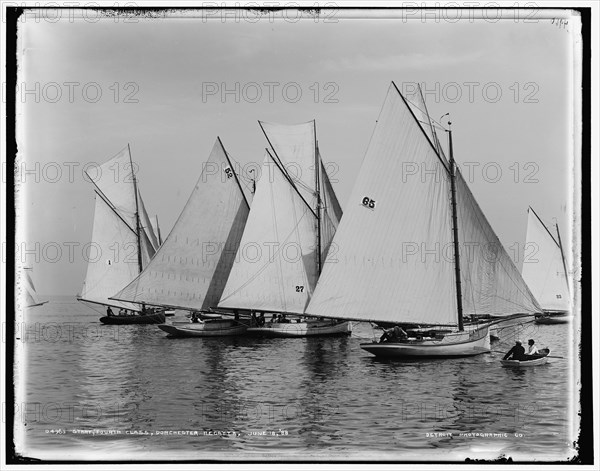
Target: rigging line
234, 172
437, 123
422, 129
542, 223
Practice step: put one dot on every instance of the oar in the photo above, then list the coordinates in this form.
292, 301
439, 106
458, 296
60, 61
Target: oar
547, 356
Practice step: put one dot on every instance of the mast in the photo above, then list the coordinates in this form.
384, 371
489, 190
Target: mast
455, 231
318, 195
563, 257
137, 213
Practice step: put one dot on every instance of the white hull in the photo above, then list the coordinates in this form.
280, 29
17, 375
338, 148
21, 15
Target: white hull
213, 328
302, 329
456, 344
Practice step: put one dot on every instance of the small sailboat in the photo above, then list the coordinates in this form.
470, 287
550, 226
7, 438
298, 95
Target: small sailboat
123, 241
531, 360
546, 272
191, 267
292, 221
414, 249
31, 297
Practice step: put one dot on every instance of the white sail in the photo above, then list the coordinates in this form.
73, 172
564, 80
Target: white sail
31, 297
331, 212
156, 229
295, 146
146, 225
543, 267
388, 264
113, 257
191, 267
115, 181
491, 283
276, 266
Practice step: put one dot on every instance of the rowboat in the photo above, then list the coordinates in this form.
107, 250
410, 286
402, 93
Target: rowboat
538, 359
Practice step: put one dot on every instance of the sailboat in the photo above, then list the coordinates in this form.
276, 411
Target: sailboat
546, 272
31, 297
123, 241
292, 221
190, 268
398, 260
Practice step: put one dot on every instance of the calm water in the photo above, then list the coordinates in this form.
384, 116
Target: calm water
146, 395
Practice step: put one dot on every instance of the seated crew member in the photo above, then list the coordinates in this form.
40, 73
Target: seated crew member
515, 353
394, 334
533, 350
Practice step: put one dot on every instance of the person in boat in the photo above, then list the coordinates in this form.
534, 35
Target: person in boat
261, 319
195, 318
109, 312
515, 353
533, 350
236, 316
395, 334
283, 319
253, 319
273, 318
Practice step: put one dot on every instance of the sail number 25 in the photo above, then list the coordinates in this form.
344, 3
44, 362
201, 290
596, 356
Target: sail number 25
368, 202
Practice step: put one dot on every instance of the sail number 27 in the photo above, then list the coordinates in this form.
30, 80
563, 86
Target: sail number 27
368, 202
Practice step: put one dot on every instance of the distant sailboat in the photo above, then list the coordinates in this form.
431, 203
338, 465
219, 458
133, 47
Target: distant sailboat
292, 221
191, 267
546, 272
31, 297
123, 240
413, 249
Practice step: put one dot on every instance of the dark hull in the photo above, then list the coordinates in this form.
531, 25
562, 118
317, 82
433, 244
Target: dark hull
158, 318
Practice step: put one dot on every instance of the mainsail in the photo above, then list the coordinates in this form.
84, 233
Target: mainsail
123, 241
112, 259
295, 147
294, 213
191, 267
276, 267
394, 259
389, 263
545, 270
31, 298
115, 180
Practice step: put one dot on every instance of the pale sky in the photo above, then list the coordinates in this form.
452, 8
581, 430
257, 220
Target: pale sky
172, 127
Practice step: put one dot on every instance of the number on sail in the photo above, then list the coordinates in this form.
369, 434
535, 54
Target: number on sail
228, 172
368, 202
300, 289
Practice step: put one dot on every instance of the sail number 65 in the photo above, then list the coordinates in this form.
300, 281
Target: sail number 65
368, 202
